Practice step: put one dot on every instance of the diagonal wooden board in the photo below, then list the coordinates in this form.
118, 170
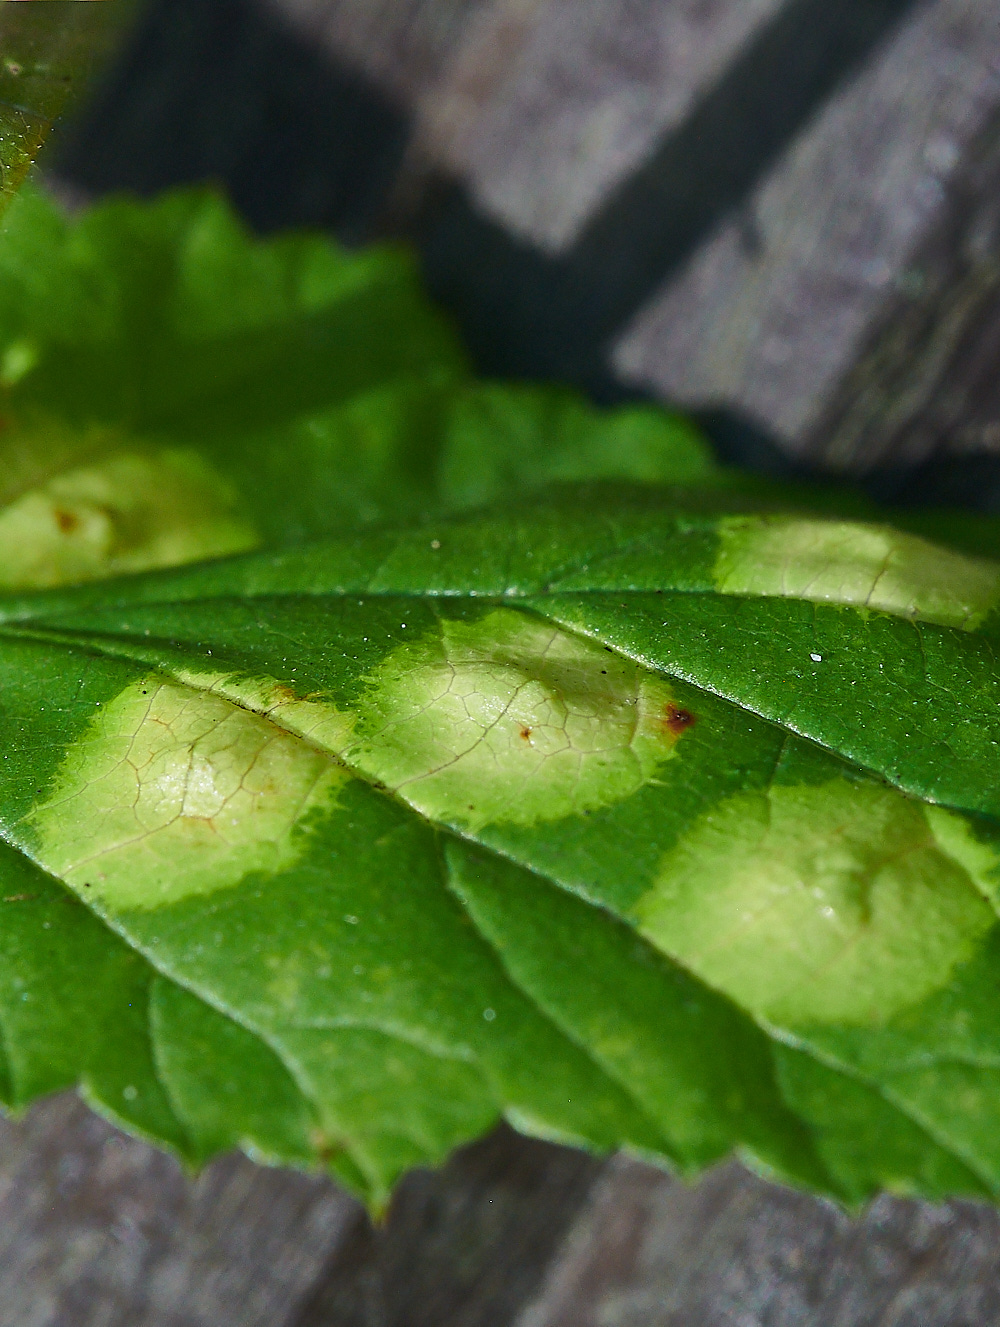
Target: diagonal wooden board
836, 309
100, 1230
843, 297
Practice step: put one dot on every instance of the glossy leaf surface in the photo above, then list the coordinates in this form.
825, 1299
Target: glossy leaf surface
533, 816
344, 813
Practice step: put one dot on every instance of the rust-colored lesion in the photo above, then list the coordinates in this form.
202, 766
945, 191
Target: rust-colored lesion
67, 521
677, 720
283, 694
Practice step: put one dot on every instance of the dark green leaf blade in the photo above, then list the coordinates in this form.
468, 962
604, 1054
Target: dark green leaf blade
646, 1020
276, 777
80, 1007
158, 364
317, 386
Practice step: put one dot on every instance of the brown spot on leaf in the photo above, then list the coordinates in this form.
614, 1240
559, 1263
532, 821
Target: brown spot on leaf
525, 734
282, 694
67, 521
328, 1148
677, 721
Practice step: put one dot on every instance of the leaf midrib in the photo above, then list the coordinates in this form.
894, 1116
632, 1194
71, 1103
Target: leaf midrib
131, 649
97, 648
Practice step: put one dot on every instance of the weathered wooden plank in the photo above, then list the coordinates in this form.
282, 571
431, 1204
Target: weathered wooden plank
649, 1251
403, 45
543, 129
592, 88
465, 1247
222, 90
101, 1230
847, 307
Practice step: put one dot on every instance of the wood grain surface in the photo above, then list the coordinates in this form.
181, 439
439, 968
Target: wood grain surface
833, 307
651, 1252
812, 188
780, 212
100, 1230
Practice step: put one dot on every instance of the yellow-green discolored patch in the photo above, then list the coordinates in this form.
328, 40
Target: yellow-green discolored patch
174, 792
132, 510
510, 719
846, 562
839, 903
309, 717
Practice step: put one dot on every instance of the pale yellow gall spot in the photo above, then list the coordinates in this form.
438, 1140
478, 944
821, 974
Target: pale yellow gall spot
186, 784
174, 792
845, 562
133, 510
840, 903
310, 717
510, 719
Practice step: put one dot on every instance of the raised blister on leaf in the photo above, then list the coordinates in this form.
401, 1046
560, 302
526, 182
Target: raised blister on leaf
511, 719
836, 903
846, 562
132, 510
173, 792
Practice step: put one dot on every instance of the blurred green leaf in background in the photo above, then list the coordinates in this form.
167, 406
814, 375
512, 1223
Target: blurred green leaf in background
50, 52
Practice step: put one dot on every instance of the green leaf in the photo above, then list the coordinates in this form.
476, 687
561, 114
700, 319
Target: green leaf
79, 1006
637, 816
50, 52
160, 368
655, 809
279, 390
501, 439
